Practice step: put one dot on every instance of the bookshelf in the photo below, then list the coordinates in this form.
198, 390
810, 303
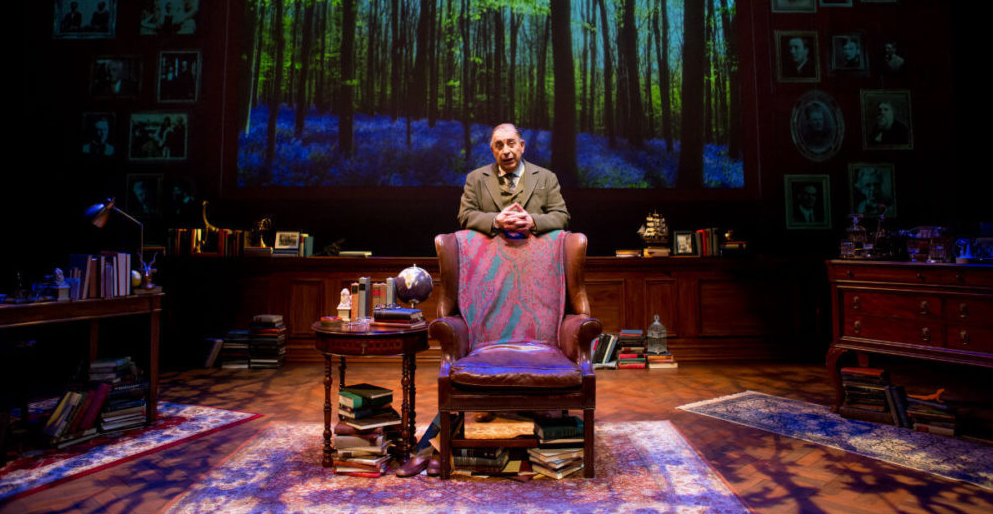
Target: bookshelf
92, 311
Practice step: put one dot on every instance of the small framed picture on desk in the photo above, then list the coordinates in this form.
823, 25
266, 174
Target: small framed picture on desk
684, 243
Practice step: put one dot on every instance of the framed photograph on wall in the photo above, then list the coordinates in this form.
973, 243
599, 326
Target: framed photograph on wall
144, 195
84, 19
872, 189
179, 76
794, 5
99, 134
817, 125
287, 241
886, 120
684, 243
848, 53
893, 57
115, 77
168, 17
808, 201
797, 56
157, 136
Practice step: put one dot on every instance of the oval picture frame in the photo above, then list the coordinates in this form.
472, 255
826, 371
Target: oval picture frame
817, 126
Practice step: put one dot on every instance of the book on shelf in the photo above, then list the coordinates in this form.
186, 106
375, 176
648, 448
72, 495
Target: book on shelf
554, 454
632, 364
605, 365
662, 365
398, 313
934, 429
76, 438
856, 413
627, 252
355, 253
363, 412
557, 428
214, 345
398, 326
100, 393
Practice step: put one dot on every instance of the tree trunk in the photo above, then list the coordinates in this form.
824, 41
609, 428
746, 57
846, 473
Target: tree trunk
347, 110
649, 104
729, 20
690, 173
308, 38
665, 89
590, 103
251, 45
541, 102
564, 130
274, 99
466, 89
449, 64
608, 72
708, 75
433, 68
320, 96
515, 24
396, 58
417, 100
294, 37
629, 42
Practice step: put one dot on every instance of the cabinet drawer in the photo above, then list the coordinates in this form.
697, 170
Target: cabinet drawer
969, 309
897, 274
922, 332
980, 276
970, 338
908, 306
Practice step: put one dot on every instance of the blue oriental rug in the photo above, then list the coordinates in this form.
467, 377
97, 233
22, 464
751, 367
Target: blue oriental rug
949, 457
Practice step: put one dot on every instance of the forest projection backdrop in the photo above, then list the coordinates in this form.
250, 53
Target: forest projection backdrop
608, 93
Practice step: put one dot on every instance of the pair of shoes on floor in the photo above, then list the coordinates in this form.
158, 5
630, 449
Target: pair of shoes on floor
484, 417
418, 463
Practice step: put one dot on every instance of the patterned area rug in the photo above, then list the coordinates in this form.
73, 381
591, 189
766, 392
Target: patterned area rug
642, 467
177, 423
949, 457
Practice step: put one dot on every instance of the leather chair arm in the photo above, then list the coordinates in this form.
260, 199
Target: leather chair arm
576, 336
453, 334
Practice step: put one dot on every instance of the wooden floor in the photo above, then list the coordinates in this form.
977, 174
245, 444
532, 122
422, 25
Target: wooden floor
772, 474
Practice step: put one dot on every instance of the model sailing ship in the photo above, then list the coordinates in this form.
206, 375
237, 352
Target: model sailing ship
655, 234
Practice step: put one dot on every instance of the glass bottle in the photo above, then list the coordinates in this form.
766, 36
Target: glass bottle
882, 245
853, 246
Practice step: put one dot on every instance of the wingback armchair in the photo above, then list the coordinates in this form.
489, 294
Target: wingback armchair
515, 331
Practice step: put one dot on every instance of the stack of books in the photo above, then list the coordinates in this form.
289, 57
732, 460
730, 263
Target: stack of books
931, 416
866, 395
267, 341
125, 407
661, 360
560, 446
631, 354
112, 370
397, 318
604, 349
480, 461
363, 453
234, 351
365, 414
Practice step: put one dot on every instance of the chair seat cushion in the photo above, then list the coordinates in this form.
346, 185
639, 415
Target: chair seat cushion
523, 364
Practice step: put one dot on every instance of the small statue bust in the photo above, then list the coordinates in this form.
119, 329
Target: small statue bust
60, 278
345, 307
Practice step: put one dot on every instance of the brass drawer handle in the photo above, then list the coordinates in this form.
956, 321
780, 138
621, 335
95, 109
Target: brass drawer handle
857, 326
849, 274
925, 308
959, 277
963, 310
920, 276
965, 338
856, 303
926, 335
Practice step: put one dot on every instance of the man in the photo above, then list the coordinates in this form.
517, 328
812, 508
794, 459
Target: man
805, 203
799, 53
511, 195
73, 20
100, 21
893, 61
888, 130
98, 144
870, 184
816, 133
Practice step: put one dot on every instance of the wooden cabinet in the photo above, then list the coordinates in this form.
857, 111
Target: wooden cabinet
938, 312
714, 309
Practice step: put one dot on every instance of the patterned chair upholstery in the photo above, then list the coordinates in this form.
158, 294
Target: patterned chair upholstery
515, 330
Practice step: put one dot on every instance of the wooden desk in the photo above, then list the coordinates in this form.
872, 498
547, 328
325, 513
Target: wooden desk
331, 342
93, 310
933, 312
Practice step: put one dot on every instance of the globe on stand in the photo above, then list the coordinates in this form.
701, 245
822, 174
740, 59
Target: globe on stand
414, 285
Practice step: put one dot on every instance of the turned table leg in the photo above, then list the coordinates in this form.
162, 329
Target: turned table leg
833, 355
328, 382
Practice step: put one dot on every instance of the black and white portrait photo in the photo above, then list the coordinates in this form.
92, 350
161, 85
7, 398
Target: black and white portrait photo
808, 201
892, 59
158, 136
796, 56
85, 19
99, 131
886, 120
871, 189
144, 195
179, 76
817, 126
115, 77
794, 5
848, 53
168, 17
